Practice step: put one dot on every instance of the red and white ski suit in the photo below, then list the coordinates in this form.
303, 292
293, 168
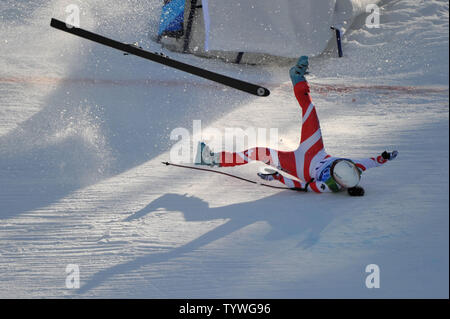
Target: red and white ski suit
308, 161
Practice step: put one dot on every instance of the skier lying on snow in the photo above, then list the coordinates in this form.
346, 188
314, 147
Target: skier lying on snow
310, 163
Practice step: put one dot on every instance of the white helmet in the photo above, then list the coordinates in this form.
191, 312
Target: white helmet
345, 173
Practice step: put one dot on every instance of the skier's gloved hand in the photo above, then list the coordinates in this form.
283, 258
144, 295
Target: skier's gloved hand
298, 72
355, 191
389, 155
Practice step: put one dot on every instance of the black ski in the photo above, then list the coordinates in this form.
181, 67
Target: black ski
216, 77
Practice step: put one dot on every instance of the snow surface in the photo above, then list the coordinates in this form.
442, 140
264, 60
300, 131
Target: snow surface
83, 131
282, 28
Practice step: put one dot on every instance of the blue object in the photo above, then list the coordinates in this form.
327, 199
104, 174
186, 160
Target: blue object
172, 19
338, 41
298, 72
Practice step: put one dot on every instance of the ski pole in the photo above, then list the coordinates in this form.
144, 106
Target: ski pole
226, 174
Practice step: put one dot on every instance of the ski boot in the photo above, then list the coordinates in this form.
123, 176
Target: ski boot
298, 72
205, 156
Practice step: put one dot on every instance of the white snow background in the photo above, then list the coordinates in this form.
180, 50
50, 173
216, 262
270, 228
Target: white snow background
83, 131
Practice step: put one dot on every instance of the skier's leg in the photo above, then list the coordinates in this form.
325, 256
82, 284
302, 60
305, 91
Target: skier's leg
310, 120
311, 147
263, 154
240, 158
278, 159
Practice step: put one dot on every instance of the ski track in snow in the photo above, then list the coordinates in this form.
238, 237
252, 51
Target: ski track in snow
81, 179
